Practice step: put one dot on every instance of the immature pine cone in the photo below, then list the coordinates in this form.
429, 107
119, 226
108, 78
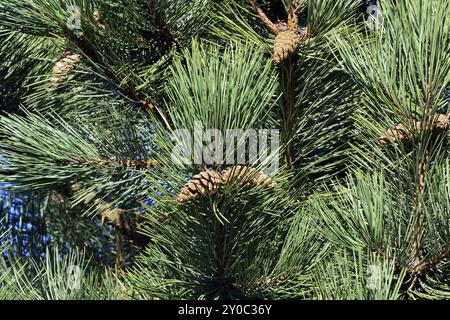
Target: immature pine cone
64, 65
285, 44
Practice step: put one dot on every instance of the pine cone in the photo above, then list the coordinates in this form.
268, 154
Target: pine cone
285, 44
204, 183
396, 134
248, 177
400, 133
64, 65
208, 182
441, 123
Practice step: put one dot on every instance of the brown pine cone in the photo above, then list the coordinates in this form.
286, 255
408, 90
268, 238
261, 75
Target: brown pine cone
208, 182
285, 44
441, 122
400, 133
205, 183
64, 65
281, 26
396, 134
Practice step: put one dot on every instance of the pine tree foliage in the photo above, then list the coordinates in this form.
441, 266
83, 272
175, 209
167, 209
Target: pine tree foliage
94, 95
398, 208
55, 277
358, 276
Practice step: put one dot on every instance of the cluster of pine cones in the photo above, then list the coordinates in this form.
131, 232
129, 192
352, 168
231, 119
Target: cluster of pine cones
208, 182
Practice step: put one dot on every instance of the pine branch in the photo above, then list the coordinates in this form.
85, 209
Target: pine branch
423, 266
419, 211
286, 42
124, 163
119, 218
168, 36
289, 110
125, 88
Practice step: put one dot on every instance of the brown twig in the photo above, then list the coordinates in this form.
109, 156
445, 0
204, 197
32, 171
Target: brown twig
264, 18
425, 265
293, 15
124, 163
168, 36
124, 222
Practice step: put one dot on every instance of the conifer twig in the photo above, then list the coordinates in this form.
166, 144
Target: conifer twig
119, 218
124, 163
293, 15
264, 18
126, 89
425, 265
